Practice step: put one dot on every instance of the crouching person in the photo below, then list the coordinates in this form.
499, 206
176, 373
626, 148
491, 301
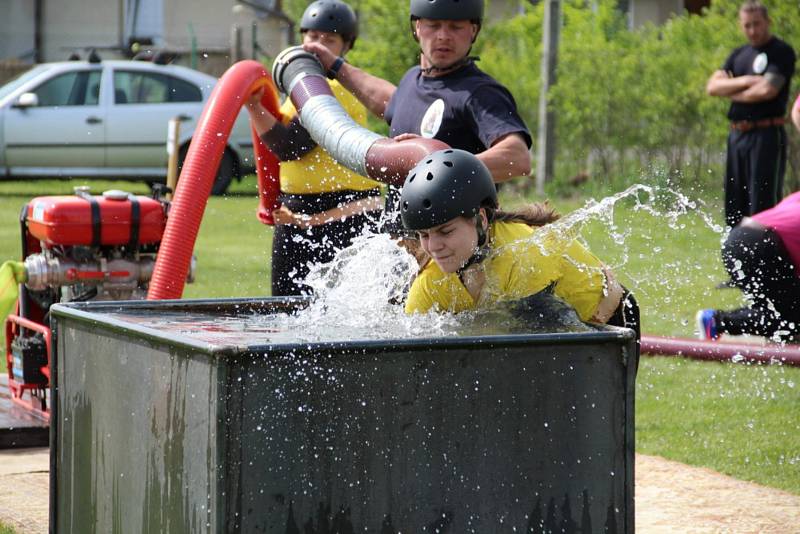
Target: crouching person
762, 257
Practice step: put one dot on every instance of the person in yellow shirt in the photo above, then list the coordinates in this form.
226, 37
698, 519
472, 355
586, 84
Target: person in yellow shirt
323, 205
480, 256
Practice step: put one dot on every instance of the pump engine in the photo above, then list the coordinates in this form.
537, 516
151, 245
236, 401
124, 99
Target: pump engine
76, 248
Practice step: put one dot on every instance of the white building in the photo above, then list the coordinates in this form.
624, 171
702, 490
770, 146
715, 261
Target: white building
35, 31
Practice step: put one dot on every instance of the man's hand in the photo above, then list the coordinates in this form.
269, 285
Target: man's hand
261, 119
254, 101
406, 137
284, 215
326, 57
373, 92
765, 88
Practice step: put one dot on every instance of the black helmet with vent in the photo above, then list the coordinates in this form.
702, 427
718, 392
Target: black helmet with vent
331, 16
446, 184
447, 10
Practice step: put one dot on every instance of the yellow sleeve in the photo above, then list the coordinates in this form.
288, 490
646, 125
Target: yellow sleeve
582, 281
522, 269
576, 272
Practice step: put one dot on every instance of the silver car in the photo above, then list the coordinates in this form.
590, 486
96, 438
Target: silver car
108, 119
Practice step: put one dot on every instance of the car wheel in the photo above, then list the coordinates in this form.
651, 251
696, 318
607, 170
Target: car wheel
225, 172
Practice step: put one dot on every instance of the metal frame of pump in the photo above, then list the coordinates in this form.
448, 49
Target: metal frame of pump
76, 248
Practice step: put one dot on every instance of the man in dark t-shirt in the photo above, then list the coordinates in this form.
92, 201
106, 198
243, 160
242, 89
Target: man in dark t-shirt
755, 78
446, 97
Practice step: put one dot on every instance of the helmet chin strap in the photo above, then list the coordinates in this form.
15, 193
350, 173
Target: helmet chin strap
457, 65
481, 251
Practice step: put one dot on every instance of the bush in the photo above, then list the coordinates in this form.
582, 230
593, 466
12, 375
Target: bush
632, 102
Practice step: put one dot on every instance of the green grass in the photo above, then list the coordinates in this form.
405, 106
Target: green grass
737, 419
740, 420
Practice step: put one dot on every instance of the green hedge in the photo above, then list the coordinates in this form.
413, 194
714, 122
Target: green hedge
633, 101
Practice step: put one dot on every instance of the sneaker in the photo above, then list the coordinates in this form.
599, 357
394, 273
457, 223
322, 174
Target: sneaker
706, 325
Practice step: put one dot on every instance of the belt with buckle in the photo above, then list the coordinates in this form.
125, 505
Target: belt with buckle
746, 126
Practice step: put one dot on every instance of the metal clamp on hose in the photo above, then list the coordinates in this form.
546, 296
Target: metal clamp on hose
292, 63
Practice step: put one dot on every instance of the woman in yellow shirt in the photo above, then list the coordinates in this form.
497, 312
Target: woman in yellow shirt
324, 205
481, 256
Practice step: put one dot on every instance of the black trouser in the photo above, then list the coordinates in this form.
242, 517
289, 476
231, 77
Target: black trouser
294, 248
756, 164
627, 315
758, 264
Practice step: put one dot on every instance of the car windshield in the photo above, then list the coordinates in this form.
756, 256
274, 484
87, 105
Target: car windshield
12, 86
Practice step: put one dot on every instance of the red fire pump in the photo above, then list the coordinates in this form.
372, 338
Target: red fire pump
76, 248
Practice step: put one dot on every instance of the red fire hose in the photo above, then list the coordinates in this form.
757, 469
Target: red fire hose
720, 351
199, 171
267, 164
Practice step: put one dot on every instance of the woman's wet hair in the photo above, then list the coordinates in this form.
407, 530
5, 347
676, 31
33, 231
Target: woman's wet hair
534, 214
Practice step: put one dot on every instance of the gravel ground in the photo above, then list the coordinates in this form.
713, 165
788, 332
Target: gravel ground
670, 497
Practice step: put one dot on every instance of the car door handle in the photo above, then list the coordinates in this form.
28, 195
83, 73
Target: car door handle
183, 118
93, 120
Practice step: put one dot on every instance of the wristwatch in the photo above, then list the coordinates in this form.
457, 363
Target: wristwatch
334, 70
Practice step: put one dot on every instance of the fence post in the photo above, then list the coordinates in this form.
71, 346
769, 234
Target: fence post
173, 136
546, 144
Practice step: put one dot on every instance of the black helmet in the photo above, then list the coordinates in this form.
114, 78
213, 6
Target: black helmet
447, 10
331, 16
446, 184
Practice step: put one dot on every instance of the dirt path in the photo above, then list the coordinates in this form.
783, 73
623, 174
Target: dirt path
670, 497
674, 497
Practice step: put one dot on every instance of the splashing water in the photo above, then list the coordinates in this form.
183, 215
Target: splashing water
663, 246
361, 291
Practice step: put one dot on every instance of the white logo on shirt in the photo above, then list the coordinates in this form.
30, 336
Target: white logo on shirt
432, 119
760, 63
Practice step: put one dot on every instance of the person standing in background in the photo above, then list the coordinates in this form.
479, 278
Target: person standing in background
762, 257
756, 79
324, 206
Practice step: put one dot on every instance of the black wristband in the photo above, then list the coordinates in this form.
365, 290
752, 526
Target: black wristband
334, 70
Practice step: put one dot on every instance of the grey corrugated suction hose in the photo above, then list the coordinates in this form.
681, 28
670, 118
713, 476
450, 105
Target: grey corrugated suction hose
299, 74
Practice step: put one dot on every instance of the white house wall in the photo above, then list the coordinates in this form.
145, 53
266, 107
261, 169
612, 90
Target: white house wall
16, 29
653, 11
144, 18
73, 24
212, 23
